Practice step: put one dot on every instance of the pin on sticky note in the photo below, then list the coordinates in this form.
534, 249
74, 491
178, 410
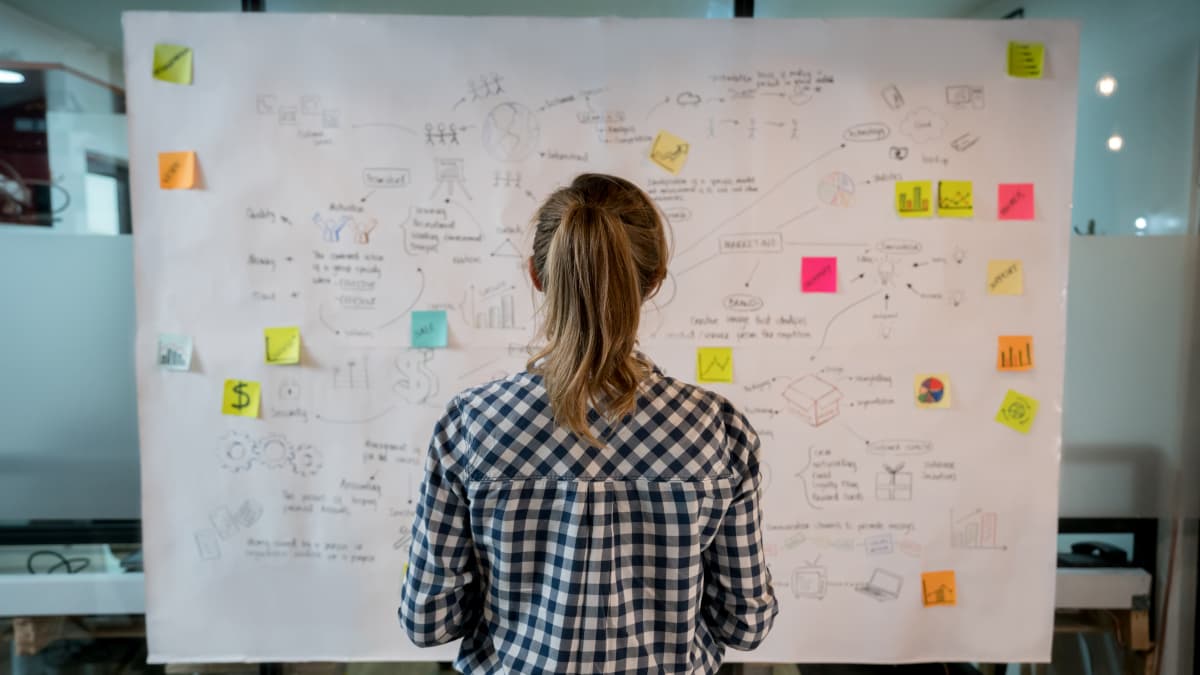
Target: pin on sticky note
1026, 59
931, 391
173, 63
955, 199
282, 345
177, 170
429, 329
818, 275
914, 198
1014, 353
669, 151
1014, 201
939, 589
174, 352
1005, 277
714, 364
1017, 411
241, 398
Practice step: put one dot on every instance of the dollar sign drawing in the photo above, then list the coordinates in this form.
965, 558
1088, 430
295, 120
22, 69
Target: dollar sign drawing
243, 399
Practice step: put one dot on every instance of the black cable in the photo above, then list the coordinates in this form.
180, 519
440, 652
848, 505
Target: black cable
63, 562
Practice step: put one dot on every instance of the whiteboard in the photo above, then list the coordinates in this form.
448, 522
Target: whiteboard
355, 169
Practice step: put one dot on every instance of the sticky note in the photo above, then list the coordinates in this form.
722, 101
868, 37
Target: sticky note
1005, 277
714, 364
669, 151
1014, 352
1014, 201
1026, 59
818, 275
931, 391
241, 398
938, 588
429, 329
173, 63
282, 345
955, 199
405, 570
177, 170
174, 352
914, 198
1017, 411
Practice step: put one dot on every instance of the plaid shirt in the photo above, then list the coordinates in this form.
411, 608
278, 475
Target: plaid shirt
548, 555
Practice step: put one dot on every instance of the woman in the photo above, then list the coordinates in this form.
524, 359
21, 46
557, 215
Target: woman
591, 514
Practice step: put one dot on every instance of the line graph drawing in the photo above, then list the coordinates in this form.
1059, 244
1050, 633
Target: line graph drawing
714, 366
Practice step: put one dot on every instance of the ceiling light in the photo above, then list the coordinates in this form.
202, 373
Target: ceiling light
1106, 86
1140, 223
1115, 143
11, 77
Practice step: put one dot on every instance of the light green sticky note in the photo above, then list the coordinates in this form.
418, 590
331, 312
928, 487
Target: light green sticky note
714, 364
1026, 59
282, 345
1017, 411
429, 329
173, 63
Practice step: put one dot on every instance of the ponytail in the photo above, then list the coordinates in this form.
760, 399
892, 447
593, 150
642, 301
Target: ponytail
599, 252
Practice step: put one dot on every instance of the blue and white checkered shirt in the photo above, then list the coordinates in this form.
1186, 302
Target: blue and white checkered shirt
548, 555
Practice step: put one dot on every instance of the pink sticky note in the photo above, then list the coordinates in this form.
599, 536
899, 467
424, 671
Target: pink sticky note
818, 275
1015, 201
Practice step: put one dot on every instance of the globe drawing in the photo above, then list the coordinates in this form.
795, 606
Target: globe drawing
510, 132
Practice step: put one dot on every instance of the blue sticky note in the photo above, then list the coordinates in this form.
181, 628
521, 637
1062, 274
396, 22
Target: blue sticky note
429, 328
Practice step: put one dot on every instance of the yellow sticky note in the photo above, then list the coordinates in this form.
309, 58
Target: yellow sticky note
1014, 352
931, 391
669, 151
282, 345
1017, 411
955, 199
1005, 277
173, 63
405, 570
177, 170
714, 364
1026, 59
914, 198
938, 588
241, 398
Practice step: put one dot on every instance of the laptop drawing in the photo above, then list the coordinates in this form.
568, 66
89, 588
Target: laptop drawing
883, 585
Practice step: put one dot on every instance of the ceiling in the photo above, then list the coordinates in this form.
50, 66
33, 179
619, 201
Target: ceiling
99, 21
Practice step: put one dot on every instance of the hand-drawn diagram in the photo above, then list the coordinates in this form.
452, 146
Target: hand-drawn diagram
883, 585
238, 452
450, 175
810, 581
893, 98
923, 125
836, 189
442, 133
510, 132
491, 307
416, 383
353, 372
964, 95
893, 484
813, 399
977, 530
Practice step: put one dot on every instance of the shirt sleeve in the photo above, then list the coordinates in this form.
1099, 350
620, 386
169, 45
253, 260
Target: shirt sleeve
440, 598
739, 603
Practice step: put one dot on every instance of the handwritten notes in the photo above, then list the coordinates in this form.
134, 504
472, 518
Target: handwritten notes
955, 199
1014, 353
173, 63
714, 364
429, 329
669, 151
1014, 201
1018, 411
177, 170
938, 589
914, 198
174, 352
931, 391
241, 398
1005, 277
818, 275
1026, 59
282, 345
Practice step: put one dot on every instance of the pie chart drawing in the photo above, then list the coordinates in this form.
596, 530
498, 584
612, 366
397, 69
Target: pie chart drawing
836, 189
932, 390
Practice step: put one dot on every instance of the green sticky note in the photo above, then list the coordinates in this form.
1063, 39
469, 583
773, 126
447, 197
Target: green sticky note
1017, 411
429, 329
282, 345
173, 63
714, 364
1026, 59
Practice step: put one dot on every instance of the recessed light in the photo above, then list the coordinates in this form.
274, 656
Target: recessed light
1106, 86
1115, 143
11, 77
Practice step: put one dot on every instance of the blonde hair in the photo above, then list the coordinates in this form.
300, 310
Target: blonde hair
599, 252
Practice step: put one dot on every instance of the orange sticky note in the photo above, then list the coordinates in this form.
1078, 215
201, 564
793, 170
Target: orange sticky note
1014, 352
177, 170
937, 588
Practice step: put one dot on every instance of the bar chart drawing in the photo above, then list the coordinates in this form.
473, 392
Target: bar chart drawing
493, 308
913, 198
1014, 352
978, 529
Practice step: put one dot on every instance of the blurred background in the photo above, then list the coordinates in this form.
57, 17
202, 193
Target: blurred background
70, 586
